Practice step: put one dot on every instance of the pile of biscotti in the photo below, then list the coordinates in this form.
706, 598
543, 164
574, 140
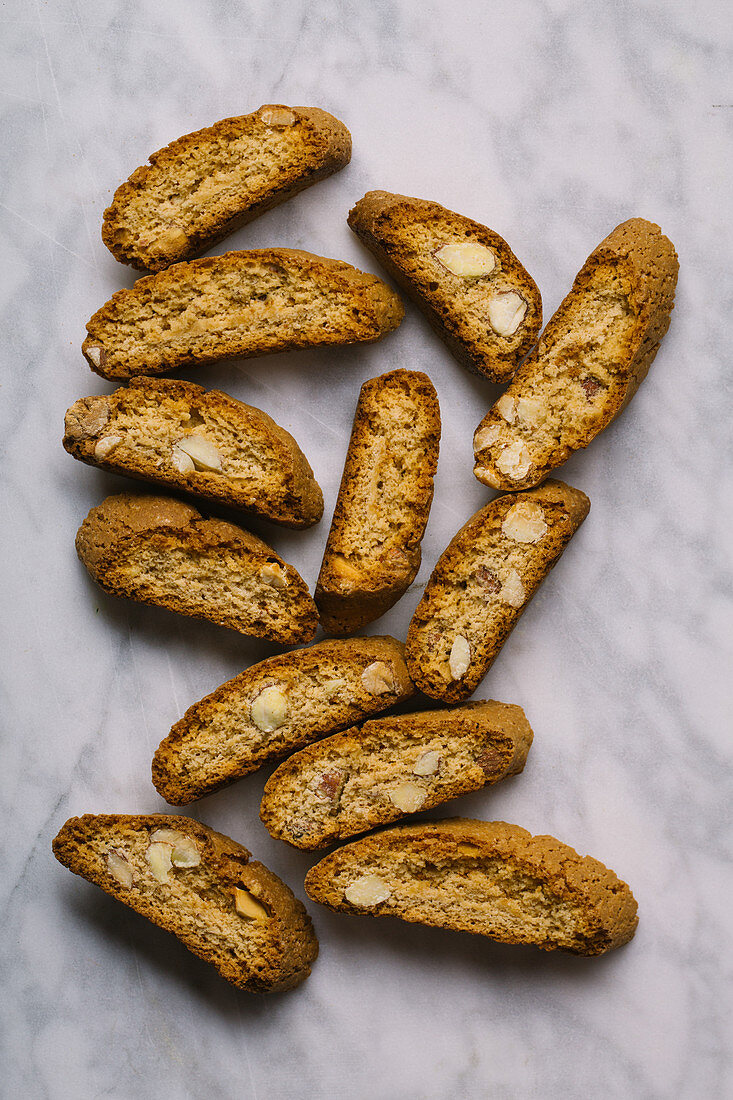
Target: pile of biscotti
349, 761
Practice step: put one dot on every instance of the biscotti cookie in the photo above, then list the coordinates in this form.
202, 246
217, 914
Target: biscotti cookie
483, 582
204, 185
177, 435
275, 707
201, 886
485, 877
373, 550
592, 358
390, 767
463, 276
160, 551
236, 306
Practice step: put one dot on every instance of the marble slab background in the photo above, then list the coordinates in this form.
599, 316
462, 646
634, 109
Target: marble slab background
550, 121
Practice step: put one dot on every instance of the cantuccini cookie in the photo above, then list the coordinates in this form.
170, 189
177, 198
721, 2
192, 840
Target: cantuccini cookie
592, 358
235, 306
483, 582
275, 707
160, 551
463, 276
389, 767
202, 887
204, 185
485, 877
373, 550
175, 434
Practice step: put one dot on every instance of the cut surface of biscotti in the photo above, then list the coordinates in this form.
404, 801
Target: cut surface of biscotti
163, 552
176, 434
391, 767
202, 887
483, 582
235, 306
463, 276
275, 707
485, 877
204, 185
373, 550
589, 363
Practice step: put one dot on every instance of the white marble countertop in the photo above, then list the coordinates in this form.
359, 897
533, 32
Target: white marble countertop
552, 122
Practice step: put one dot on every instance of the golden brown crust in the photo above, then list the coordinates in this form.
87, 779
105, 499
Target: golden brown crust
482, 583
523, 889
376, 773
160, 551
217, 742
589, 363
263, 470
197, 904
373, 550
404, 233
197, 190
234, 306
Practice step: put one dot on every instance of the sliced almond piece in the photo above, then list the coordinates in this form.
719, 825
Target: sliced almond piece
378, 678
525, 522
408, 797
119, 869
248, 906
467, 259
512, 590
201, 451
367, 890
427, 764
105, 446
269, 709
158, 856
460, 657
506, 312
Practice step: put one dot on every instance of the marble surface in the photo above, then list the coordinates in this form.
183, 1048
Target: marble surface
550, 121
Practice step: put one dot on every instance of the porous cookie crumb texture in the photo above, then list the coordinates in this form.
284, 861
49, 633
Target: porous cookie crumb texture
390, 767
275, 707
373, 550
235, 306
484, 877
463, 276
204, 185
482, 583
202, 887
177, 435
593, 355
160, 551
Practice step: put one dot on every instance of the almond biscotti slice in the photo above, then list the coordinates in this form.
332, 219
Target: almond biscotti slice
463, 276
485, 877
236, 306
204, 185
482, 583
592, 358
177, 435
159, 551
202, 887
275, 707
390, 767
373, 550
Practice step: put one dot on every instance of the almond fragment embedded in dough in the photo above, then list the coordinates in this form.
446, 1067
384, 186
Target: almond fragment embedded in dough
506, 312
525, 522
378, 678
460, 657
367, 891
120, 869
514, 460
105, 446
467, 259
